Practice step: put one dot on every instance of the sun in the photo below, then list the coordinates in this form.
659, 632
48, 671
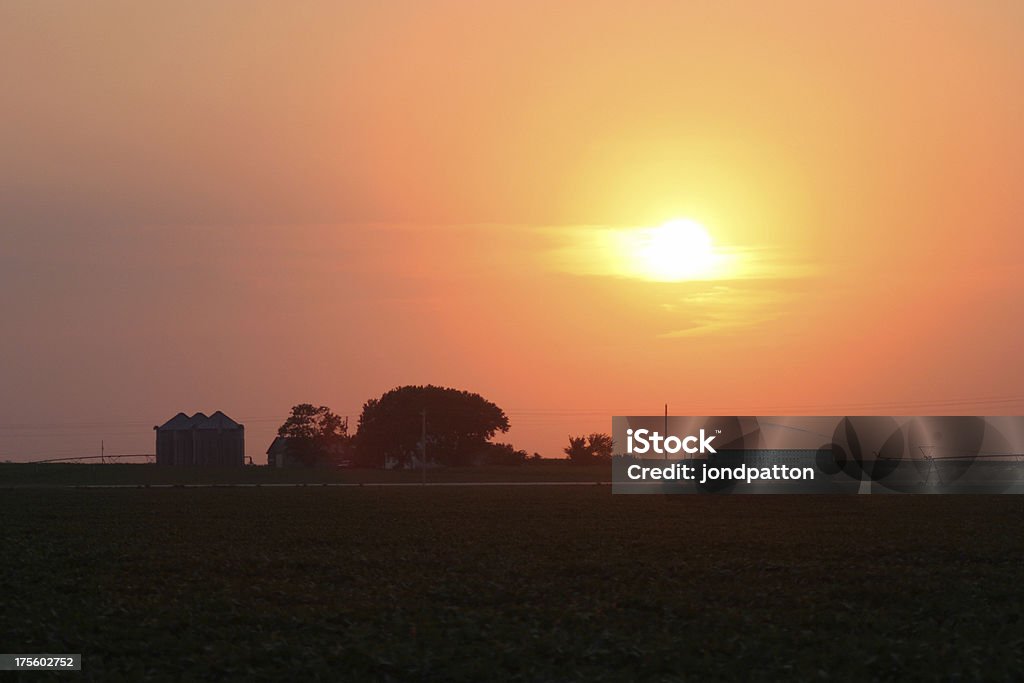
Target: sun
678, 250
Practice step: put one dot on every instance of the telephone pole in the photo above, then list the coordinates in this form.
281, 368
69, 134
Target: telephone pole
423, 447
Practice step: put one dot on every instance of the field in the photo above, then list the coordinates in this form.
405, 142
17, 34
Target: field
154, 475
557, 583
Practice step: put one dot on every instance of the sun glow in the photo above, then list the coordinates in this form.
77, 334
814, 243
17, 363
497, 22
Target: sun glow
676, 251
680, 250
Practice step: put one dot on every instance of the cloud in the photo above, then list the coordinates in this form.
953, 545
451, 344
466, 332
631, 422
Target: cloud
605, 251
759, 285
724, 309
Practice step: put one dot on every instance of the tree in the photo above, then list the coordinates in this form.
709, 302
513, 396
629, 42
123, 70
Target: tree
590, 449
315, 435
459, 424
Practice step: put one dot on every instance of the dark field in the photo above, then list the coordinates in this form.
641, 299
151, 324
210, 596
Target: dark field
154, 475
549, 583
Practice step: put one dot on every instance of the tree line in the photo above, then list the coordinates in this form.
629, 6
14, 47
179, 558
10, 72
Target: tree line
458, 425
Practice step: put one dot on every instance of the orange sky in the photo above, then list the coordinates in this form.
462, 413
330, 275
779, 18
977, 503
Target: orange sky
247, 205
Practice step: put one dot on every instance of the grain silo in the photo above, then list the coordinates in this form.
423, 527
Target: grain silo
200, 440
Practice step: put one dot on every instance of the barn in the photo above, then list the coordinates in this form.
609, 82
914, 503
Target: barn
277, 454
200, 440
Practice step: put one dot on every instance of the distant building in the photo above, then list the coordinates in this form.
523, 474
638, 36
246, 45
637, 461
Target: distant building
200, 440
280, 454
277, 454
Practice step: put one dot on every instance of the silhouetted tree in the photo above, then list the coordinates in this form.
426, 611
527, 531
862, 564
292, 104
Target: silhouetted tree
590, 449
459, 424
577, 449
316, 435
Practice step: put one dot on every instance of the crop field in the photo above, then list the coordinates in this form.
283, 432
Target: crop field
50, 475
557, 583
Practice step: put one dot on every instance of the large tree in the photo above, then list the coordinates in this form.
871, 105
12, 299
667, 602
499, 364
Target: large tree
459, 424
315, 435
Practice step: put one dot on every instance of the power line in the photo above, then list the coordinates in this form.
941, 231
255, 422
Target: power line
554, 412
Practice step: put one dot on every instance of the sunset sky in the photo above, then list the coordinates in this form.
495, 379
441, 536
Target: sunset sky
246, 205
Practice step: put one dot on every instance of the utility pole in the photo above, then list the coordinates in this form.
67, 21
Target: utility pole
423, 447
103, 459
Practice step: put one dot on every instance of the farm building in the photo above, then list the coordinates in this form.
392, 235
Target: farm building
277, 454
283, 453
200, 440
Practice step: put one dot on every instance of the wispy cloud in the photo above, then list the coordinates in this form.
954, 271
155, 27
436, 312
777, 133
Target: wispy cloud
755, 285
723, 309
716, 313
609, 252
